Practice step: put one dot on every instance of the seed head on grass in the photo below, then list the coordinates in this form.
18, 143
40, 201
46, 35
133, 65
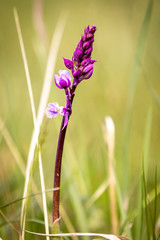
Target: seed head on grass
81, 67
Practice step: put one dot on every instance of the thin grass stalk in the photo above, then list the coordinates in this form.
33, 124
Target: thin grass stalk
139, 219
106, 236
35, 126
28, 196
109, 135
132, 88
151, 89
114, 192
43, 193
25, 64
121, 208
155, 206
51, 62
147, 138
146, 204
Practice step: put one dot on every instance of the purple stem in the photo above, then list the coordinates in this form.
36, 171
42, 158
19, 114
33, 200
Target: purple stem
57, 171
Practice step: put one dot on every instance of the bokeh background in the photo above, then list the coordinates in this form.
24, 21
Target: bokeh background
119, 23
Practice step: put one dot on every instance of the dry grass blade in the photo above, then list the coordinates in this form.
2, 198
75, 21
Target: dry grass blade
56, 39
43, 193
106, 236
25, 63
42, 105
35, 125
109, 137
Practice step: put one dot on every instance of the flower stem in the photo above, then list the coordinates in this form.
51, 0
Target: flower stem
57, 171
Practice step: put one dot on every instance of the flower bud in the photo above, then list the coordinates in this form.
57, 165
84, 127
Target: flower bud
77, 73
64, 80
68, 63
78, 54
88, 74
88, 68
88, 51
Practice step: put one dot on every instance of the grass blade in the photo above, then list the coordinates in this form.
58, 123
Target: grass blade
151, 89
106, 236
155, 206
109, 137
56, 39
28, 196
132, 88
146, 204
28, 174
25, 64
147, 138
139, 220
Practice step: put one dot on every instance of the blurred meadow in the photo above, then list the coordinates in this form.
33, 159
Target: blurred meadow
124, 86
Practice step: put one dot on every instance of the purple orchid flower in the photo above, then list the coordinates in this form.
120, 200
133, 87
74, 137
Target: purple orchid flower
64, 80
54, 109
81, 67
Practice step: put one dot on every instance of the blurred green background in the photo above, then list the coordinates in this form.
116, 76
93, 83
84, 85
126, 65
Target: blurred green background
119, 23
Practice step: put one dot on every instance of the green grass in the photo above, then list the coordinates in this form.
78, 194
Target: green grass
126, 74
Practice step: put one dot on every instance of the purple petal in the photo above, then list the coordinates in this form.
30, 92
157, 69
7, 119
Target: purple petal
65, 121
57, 80
52, 110
64, 80
64, 83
